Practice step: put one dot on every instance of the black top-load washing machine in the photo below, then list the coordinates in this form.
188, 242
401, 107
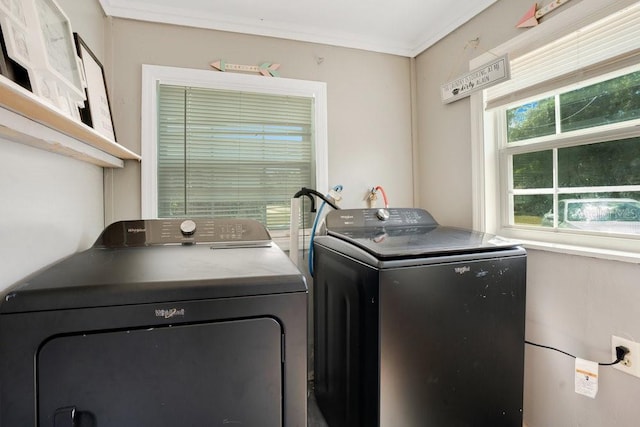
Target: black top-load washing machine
416, 324
160, 323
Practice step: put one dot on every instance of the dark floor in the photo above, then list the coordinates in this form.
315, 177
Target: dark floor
314, 417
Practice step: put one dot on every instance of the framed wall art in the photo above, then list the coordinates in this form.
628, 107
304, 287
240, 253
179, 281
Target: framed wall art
37, 36
58, 73
97, 110
13, 25
14, 32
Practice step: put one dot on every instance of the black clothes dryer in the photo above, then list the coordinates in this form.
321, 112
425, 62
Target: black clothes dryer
416, 324
160, 323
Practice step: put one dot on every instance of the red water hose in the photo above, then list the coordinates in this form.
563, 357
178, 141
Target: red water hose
384, 196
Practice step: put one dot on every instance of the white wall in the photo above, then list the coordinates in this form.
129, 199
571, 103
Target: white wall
369, 103
51, 205
574, 303
577, 303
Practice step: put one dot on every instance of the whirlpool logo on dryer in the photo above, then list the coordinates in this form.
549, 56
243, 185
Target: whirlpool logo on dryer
169, 313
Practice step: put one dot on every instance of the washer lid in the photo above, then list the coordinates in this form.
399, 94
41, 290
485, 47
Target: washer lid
407, 233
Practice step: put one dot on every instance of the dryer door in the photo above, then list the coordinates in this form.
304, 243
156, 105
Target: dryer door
210, 374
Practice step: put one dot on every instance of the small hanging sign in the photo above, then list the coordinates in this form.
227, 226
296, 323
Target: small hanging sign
482, 77
267, 69
530, 19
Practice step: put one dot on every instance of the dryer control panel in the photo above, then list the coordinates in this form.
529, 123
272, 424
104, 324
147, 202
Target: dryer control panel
223, 232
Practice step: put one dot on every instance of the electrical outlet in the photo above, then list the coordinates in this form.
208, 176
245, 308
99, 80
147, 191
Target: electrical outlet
631, 362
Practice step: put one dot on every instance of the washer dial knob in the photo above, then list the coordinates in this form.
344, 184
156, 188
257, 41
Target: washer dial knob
382, 214
187, 227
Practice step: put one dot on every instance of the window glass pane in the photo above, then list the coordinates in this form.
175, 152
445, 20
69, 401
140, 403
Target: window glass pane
531, 209
606, 163
531, 120
615, 212
611, 101
533, 170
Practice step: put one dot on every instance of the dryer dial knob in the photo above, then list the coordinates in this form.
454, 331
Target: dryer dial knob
188, 227
382, 214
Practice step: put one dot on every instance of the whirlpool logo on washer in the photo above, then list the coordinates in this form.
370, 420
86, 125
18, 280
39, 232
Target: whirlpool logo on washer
169, 313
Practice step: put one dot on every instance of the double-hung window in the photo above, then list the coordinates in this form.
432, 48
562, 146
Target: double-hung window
230, 145
563, 140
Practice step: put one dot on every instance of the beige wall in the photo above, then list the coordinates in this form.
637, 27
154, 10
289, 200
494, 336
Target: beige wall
574, 303
444, 152
369, 111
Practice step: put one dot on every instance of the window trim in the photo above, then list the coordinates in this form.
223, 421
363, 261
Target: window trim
487, 187
153, 75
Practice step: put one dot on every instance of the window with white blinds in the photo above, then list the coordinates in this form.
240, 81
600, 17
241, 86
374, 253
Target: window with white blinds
603, 46
561, 139
230, 145
232, 154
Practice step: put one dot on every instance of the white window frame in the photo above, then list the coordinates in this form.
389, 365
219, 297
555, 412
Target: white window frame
154, 75
490, 172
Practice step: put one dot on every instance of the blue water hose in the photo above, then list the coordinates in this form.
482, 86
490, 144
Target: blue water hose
313, 229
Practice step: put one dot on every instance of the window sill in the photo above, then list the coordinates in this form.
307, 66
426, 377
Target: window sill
25, 119
624, 252
607, 254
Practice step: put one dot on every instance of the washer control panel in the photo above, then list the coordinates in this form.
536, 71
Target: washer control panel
361, 219
223, 232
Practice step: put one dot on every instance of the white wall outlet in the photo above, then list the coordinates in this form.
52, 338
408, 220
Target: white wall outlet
631, 362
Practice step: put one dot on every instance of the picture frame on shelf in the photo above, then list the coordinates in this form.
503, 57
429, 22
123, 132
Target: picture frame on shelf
58, 72
10, 68
97, 110
14, 9
39, 42
15, 36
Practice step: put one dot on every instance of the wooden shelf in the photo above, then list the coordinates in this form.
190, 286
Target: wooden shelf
26, 119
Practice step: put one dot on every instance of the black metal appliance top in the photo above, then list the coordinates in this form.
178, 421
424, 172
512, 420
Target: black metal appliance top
149, 261
406, 232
